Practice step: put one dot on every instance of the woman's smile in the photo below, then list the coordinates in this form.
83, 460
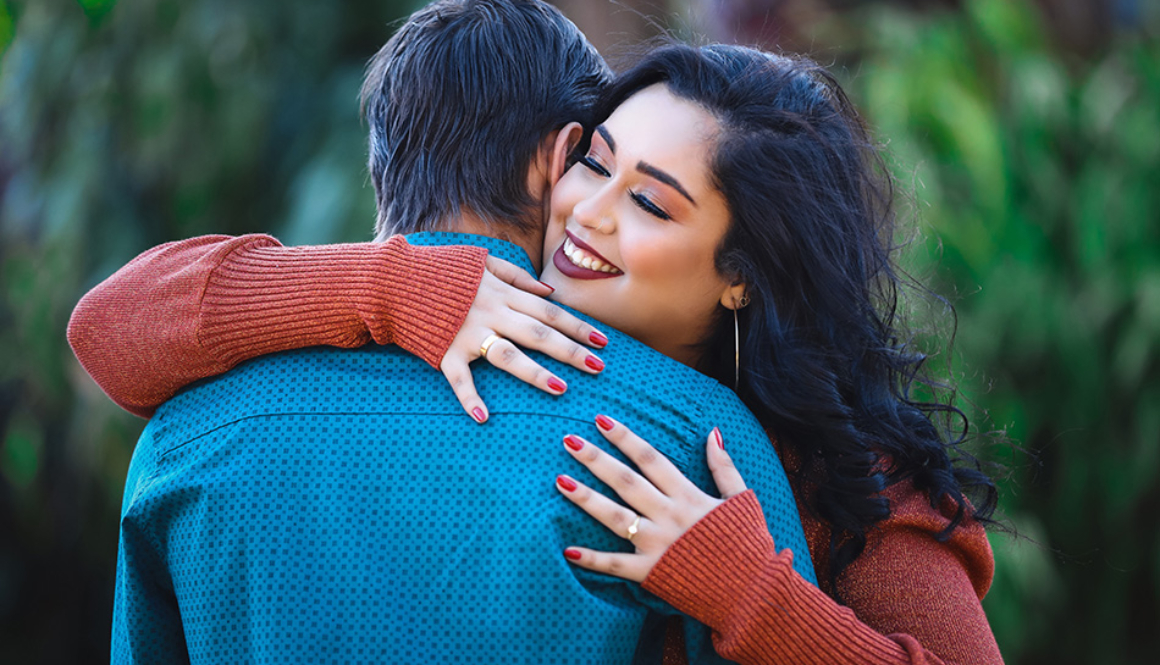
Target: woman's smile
578, 260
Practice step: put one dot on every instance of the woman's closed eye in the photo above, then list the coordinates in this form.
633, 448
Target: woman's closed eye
591, 164
648, 206
641, 201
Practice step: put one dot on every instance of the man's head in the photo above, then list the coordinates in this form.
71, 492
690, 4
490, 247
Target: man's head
459, 103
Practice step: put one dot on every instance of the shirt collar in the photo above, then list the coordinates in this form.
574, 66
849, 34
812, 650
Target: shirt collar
502, 249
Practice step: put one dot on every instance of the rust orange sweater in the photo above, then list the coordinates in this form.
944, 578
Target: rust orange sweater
911, 599
192, 309
188, 310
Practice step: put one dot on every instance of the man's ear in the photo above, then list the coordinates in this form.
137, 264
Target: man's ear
566, 141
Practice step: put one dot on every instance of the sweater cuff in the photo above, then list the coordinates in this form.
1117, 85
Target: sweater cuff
725, 573
262, 300
713, 564
429, 291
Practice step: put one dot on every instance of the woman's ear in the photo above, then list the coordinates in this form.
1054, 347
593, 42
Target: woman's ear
566, 141
734, 296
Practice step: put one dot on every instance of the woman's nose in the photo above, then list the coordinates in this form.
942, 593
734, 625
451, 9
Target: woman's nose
593, 214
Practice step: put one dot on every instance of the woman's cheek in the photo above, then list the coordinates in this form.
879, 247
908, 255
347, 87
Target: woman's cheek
645, 252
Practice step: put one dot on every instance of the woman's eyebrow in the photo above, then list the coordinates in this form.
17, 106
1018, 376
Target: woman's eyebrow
607, 138
654, 172
646, 168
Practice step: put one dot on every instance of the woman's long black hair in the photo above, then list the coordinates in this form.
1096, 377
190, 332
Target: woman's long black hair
826, 364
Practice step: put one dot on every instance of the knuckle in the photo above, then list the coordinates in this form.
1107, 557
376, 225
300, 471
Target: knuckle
552, 313
626, 478
647, 457
688, 498
508, 355
623, 520
589, 454
583, 494
541, 332
614, 566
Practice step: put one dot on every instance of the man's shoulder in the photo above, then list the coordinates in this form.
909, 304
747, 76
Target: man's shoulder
639, 386
317, 380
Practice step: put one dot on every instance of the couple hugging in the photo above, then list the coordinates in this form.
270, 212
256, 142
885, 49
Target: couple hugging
723, 403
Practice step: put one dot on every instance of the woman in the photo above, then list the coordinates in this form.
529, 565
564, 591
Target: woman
731, 212
821, 361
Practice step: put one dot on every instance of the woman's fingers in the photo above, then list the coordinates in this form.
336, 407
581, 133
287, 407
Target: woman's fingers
632, 487
653, 520
617, 518
507, 356
655, 466
458, 374
532, 333
558, 318
725, 474
533, 323
510, 274
619, 564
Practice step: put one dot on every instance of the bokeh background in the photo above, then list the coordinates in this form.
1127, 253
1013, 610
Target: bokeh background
1026, 131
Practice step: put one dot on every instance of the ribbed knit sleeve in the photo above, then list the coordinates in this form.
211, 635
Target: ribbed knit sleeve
908, 591
339, 295
192, 309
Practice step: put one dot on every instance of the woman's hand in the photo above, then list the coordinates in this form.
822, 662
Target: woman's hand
663, 503
510, 305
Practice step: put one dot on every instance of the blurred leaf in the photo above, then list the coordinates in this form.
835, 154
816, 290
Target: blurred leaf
23, 448
7, 27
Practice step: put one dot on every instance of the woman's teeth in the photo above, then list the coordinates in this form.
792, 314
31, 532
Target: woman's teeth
585, 260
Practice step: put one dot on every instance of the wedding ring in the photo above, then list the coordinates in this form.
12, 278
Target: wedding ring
486, 346
633, 528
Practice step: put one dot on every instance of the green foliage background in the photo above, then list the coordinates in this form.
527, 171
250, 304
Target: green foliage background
1036, 178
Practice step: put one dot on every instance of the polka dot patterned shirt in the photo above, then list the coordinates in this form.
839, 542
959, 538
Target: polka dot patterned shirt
337, 506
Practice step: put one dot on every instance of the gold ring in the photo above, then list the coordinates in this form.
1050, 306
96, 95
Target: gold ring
486, 346
633, 528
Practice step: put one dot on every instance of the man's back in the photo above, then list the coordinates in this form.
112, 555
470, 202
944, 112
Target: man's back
330, 505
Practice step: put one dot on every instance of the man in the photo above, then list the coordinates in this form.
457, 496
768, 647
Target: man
326, 505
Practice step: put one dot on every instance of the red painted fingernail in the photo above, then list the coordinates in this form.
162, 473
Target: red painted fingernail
720, 441
478, 414
547, 285
566, 483
572, 554
573, 443
605, 423
557, 385
595, 364
597, 338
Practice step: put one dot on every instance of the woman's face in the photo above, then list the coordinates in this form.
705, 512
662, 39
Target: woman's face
635, 225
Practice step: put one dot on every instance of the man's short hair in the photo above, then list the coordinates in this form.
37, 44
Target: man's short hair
460, 100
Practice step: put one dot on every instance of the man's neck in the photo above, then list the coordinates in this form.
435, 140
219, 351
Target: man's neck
532, 243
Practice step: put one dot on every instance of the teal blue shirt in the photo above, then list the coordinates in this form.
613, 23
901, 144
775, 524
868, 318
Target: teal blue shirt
330, 505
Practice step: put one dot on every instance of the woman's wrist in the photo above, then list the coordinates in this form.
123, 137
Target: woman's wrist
419, 295
715, 563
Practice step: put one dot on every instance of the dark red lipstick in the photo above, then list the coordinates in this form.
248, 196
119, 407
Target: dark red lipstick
565, 265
